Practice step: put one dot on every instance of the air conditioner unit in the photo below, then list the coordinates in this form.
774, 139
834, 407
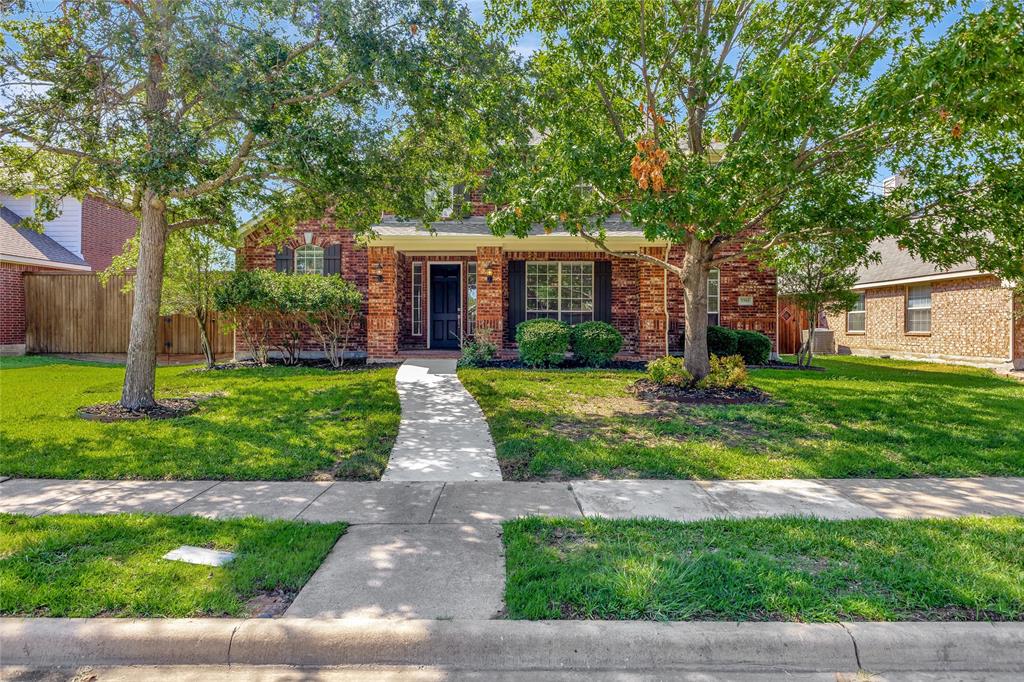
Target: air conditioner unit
824, 341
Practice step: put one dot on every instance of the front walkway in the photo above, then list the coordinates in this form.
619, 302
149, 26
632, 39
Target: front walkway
443, 435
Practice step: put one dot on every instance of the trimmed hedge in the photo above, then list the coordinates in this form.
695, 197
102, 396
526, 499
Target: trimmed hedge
595, 343
542, 342
722, 341
755, 347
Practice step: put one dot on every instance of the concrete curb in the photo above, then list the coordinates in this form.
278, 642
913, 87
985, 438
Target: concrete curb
516, 645
941, 646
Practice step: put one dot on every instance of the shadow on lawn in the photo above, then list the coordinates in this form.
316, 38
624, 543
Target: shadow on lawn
271, 425
855, 420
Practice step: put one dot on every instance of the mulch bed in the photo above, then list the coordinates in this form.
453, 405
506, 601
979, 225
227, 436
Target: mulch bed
779, 364
568, 364
644, 389
166, 408
349, 366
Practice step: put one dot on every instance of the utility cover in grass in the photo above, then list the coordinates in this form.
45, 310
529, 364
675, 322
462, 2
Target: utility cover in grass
199, 555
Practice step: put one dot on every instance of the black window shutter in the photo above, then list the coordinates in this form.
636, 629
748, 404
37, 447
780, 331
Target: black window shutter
516, 296
332, 260
284, 259
603, 291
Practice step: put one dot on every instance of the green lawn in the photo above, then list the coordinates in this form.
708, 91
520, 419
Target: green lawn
84, 566
765, 569
862, 417
271, 424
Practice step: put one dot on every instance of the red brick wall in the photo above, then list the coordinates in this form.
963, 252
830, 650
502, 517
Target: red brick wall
971, 319
257, 252
382, 333
105, 229
12, 301
638, 305
492, 299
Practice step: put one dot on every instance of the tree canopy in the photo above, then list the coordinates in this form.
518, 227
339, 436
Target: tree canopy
196, 113
713, 124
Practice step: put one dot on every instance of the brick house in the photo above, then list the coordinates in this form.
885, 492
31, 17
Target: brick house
912, 309
85, 237
424, 290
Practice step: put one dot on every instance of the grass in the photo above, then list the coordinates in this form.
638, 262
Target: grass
273, 423
85, 566
860, 418
765, 569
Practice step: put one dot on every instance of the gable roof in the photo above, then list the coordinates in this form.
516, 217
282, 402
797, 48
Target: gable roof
898, 264
22, 245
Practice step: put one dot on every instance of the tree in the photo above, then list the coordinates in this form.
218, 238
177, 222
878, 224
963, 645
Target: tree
194, 263
191, 113
706, 123
820, 279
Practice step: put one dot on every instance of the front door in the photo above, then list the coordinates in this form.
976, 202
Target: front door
444, 306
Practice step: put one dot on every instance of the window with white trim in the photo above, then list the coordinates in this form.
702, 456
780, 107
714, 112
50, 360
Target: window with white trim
417, 298
470, 299
560, 291
714, 297
855, 317
919, 309
309, 258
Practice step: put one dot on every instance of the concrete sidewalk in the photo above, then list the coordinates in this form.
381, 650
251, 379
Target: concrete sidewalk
443, 435
491, 502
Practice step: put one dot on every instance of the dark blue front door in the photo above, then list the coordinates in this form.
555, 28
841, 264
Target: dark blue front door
444, 306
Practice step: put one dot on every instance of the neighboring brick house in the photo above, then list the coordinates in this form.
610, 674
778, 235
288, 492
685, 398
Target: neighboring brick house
913, 309
424, 290
83, 238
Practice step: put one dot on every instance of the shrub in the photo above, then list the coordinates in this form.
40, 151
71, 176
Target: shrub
726, 372
668, 371
479, 350
595, 343
290, 301
756, 348
542, 342
722, 341
332, 307
245, 297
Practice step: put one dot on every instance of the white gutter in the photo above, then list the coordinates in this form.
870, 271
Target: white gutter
916, 280
42, 262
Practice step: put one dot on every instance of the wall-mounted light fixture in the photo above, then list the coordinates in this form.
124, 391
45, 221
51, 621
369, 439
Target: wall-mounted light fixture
489, 272
379, 269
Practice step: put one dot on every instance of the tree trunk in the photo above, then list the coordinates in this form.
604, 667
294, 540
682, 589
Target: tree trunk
696, 263
806, 352
140, 370
204, 339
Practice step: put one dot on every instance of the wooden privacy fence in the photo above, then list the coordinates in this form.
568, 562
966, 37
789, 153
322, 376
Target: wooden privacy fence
76, 313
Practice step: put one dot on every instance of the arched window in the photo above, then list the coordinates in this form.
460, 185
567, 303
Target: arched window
309, 258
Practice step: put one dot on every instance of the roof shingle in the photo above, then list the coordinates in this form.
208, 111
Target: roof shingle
21, 242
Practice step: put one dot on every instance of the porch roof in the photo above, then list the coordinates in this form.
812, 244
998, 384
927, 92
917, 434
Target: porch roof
469, 233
